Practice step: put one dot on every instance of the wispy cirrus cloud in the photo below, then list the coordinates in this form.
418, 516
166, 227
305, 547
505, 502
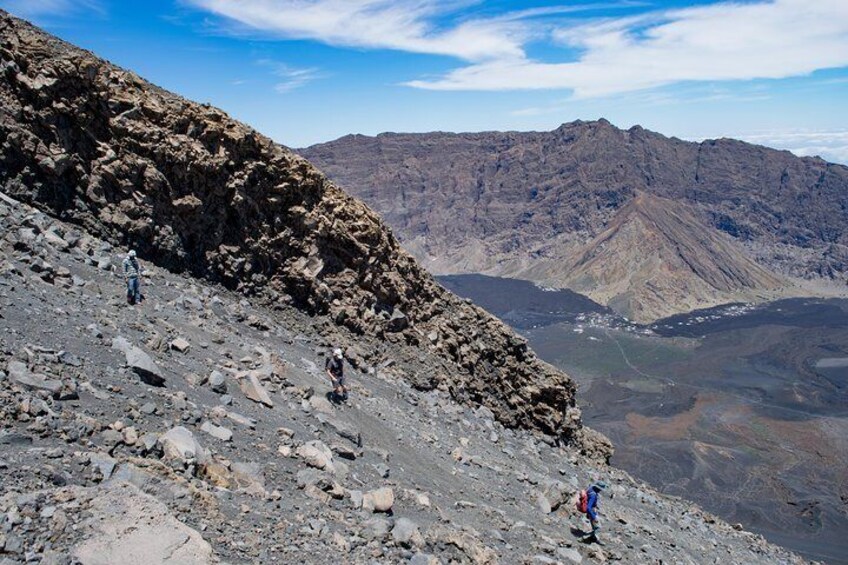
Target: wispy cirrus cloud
404, 25
723, 41
288, 77
699, 93
602, 56
40, 8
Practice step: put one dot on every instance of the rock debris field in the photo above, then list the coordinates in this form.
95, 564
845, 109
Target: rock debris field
196, 428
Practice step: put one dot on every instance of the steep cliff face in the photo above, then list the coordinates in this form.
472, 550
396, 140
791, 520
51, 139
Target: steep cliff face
195, 191
525, 205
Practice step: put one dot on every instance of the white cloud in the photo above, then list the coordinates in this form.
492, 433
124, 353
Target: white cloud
715, 42
406, 25
696, 93
829, 145
726, 41
38, 8
289, 77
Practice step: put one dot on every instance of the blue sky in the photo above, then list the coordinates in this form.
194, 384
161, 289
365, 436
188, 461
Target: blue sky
773, 72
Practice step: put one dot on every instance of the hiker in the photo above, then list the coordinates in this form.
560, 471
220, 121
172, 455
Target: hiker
132, 275
589, 503
335, 370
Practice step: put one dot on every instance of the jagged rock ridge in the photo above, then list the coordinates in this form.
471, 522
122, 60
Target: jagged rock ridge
195, 191
524, 205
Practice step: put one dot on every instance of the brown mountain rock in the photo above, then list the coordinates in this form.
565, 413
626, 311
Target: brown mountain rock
653, 260
527, 205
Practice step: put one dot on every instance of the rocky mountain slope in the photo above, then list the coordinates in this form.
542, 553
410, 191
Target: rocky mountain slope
529, 205
743, 409
195, 429
197, 192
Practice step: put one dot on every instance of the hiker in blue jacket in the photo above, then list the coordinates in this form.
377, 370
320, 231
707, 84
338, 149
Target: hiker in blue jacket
592, 507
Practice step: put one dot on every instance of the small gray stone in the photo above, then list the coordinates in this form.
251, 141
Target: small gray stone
179, 444
104, 464
180, 345
253, 389
148, 442
398, 322
20, 374
569, 555
355, 498
343, 451
220, 432
316, 454
424, 559
376, 527
13, 544
405, 533
218, 382
242, 420
109, 439
69, 359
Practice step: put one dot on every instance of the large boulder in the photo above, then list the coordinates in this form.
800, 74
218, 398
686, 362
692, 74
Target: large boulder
129, 526
20, 374
379, 500
179, 444
143, 366
316, 454
252, 388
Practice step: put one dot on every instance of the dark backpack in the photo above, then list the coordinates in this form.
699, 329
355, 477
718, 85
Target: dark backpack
583, 501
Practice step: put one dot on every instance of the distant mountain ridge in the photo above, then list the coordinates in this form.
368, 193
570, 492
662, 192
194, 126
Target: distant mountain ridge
529, 205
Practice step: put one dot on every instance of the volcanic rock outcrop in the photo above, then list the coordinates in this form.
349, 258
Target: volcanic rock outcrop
197, 192
530, 205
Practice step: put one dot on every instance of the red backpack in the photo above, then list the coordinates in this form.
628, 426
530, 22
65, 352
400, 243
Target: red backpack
583, 501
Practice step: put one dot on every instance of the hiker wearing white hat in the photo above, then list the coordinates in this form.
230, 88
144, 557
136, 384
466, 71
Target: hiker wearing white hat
335, 370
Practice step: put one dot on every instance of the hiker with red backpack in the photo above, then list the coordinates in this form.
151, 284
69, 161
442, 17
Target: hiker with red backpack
588, 503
